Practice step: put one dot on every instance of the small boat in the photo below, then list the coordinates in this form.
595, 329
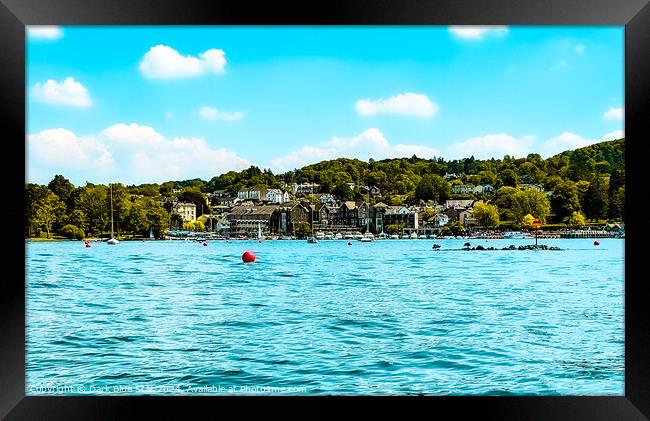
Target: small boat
312, 240
319, 235
422, 237
329, 237
112, 240
394, 237
514, 235
405, 237
413, 236
358, 236
349, 236
367, 238
338, 236
382, 236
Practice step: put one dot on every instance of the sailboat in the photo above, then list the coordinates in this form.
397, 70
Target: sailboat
259, 231
112, 239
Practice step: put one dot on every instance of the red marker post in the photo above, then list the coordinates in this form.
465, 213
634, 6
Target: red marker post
536, 225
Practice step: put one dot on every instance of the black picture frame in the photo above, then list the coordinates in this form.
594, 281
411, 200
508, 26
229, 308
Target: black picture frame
633, 14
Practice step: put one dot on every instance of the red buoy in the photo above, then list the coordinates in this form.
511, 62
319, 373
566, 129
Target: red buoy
87, 244
248, 257
596, 243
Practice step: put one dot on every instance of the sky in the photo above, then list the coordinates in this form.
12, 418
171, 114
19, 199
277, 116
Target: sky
148, 104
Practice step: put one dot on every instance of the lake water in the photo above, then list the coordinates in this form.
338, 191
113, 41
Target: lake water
389, 317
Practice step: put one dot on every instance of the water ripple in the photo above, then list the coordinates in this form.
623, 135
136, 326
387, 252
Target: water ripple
395, 319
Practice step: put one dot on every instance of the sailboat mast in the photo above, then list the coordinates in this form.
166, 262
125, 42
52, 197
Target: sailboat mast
368, 212
111, 186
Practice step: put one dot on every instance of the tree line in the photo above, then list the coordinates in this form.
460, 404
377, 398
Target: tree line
587, 183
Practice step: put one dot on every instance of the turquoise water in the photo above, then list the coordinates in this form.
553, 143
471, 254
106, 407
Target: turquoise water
390, 317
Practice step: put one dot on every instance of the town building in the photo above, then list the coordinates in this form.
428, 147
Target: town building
244, 220
187, 211
305, 188
463, 188
531, 186
396, 215
483, 189
286, 218
277, 196
459, 203
252, 194
327, 199
440, 220
465, 217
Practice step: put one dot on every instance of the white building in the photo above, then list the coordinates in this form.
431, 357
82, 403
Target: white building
440, 220
483, 189
277, 196
305, 188
463, 188
252, 194
532, 186
187, 211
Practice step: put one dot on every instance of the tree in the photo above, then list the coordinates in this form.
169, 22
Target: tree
72, 231
527, 221
48, 210
78, 218
454, 228
433, 187
302, 229
503, 199
486, 215
136, 220
343, 191
596, 200
577, 220
33, 194
61, 186
194, 195
93, 202
530, 202
427, 214
565, 200
616, 199
394, 228
121, 205
508, 178
197, 225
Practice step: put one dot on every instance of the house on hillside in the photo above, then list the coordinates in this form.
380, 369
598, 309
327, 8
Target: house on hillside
187, 211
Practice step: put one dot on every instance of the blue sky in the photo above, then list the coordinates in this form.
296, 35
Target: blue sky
151, 104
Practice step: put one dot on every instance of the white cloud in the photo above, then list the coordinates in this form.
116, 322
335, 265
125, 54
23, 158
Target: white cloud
63, 149
491, 146
44, 32
580, 48
370, 144
211, 114
477, 32
69, 92
616, 134
570, 141
614, 114
130, 153
416, 105
133, 135
163, 62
